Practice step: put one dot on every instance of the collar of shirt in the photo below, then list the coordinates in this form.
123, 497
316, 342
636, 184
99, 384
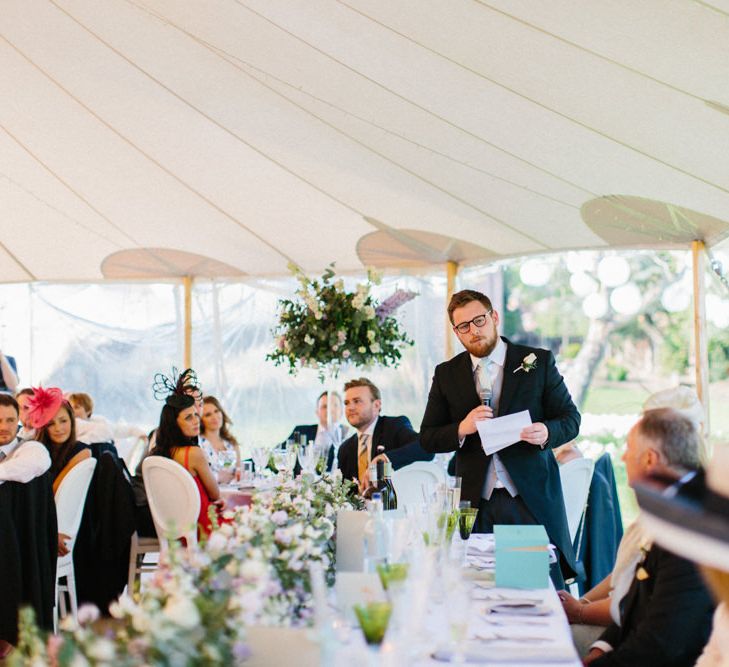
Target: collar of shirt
10, 447
497, 356
370, 429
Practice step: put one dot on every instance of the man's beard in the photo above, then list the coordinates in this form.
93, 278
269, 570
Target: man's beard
482, 347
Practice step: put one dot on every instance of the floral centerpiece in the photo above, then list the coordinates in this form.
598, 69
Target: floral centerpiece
284, 530
192, 612
325, 326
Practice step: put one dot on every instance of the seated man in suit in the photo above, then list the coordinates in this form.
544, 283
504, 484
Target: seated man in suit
321, 433
362, 405
665, 615
20, 461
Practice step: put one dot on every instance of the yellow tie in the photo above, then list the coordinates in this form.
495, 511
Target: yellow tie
363, 458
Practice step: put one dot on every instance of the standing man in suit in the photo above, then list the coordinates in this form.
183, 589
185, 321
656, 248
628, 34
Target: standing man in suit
321, 433
362, 405
494, 377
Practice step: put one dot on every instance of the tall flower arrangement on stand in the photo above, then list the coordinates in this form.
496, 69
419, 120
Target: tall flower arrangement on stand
325, 326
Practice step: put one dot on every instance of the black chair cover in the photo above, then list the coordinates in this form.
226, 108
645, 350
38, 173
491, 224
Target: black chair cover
28, 550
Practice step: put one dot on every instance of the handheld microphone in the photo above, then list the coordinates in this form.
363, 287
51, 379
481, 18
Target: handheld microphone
485, 396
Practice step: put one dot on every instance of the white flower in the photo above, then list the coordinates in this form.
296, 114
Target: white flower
529, 362
369, 312
375, 348
308, 339
102, 649
217, 543
371, 335
182, 612
87, 613
361, 349
346, 354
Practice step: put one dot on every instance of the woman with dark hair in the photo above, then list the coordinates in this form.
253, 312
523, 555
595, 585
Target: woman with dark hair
216, 436
179, 427
55, 427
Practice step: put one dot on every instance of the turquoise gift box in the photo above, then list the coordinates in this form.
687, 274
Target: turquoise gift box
522, 556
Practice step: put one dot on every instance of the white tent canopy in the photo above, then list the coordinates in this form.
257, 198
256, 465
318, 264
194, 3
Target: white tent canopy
151, 138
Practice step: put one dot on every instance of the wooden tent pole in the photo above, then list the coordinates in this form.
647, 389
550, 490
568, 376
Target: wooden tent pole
451, 275
187, 284
700, 343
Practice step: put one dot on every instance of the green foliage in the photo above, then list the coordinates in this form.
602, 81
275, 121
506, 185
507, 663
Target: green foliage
325, 326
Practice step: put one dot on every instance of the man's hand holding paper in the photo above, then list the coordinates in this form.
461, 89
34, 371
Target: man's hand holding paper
500, 432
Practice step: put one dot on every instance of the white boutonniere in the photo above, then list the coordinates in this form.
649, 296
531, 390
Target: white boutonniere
529, 362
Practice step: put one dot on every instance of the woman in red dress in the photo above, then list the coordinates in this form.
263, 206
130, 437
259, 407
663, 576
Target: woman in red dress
177, 439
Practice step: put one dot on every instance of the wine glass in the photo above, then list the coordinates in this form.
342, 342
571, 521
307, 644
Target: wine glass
260, 456
226, 466
308, 456
284, 458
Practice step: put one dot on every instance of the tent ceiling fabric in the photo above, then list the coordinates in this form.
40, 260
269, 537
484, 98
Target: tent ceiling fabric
254, 133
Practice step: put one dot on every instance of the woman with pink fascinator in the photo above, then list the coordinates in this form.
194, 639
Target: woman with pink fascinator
51, 415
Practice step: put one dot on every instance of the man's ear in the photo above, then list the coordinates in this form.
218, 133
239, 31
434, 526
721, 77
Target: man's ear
378, 405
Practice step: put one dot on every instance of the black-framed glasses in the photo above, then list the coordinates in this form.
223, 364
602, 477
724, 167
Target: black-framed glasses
478, 321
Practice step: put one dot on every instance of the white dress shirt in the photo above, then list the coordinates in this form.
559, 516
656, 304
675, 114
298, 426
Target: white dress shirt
497, 477
23, 461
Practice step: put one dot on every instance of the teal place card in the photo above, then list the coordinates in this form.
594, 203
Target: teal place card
522, 556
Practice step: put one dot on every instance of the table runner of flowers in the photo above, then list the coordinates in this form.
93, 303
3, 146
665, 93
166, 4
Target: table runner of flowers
253, 570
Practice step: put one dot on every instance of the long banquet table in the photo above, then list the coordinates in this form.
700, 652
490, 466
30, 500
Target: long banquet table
494, 638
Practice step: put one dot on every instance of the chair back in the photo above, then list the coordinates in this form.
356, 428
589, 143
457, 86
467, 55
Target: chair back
174, 500
411, 480
576, 476
71, 499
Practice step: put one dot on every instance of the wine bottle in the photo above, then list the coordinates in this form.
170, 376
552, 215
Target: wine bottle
372, 488
391, 494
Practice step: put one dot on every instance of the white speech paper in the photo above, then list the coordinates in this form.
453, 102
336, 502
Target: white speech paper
502, 431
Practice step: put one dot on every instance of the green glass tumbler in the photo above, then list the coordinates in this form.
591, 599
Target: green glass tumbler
373, 618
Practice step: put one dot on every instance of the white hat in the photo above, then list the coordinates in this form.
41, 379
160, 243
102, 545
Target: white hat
682, 399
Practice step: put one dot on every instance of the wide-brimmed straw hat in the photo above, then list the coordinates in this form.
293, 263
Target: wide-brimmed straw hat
43, 406
692, 520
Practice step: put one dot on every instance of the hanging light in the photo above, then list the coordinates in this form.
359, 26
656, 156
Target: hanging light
535, 272
626, 299
583, 284
613, 271
676, 298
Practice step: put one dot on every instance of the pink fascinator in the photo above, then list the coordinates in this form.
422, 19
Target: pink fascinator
43, 405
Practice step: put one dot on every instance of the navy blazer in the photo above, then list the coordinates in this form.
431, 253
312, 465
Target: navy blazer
533, 469
396, 434
665, 616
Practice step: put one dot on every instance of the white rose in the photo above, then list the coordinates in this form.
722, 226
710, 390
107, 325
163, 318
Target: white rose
102, 649
182, 611
531, 357
375, 348
369, 312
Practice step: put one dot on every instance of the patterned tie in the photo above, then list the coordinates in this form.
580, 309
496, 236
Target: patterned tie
2, 456
363, 458
483, 381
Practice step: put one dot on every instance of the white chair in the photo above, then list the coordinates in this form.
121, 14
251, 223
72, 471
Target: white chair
411, 480
576, 476
173, 498
70, 500
138, 547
